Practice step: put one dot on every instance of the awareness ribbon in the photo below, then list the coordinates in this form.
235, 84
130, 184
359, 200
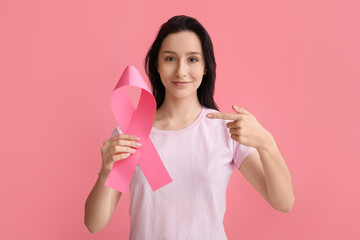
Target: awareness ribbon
136, 122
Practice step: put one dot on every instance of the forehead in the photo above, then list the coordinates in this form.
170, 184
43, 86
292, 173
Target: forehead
183, 41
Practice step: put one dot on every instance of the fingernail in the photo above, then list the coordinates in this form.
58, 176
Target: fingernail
209, 115
236, 107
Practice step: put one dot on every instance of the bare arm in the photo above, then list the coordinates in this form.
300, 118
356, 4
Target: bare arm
102, 200
100, 204
266, 170
278, 177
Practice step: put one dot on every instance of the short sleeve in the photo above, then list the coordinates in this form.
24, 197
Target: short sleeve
115, 132
240, 153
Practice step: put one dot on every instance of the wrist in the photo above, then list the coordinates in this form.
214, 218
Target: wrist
268, 142
104, 173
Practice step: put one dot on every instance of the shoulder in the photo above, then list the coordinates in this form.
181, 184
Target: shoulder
217, 131
218, 125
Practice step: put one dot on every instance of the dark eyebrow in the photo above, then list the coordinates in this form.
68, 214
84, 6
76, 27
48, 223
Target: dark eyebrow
189, 53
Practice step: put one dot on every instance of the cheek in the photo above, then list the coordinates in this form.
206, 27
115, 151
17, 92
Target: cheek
167, 72
164, 73
197, 75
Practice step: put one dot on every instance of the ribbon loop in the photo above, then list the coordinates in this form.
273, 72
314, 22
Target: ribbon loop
136, 122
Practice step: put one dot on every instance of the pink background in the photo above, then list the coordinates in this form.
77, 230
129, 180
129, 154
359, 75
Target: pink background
293, 64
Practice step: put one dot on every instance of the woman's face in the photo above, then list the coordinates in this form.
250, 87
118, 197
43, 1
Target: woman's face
181, 59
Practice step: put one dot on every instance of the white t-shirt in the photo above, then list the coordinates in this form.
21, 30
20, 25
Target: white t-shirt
200, 160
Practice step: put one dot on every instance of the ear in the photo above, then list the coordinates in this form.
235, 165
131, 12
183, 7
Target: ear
205, 71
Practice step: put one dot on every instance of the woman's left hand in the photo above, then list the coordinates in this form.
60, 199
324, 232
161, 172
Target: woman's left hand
245, 129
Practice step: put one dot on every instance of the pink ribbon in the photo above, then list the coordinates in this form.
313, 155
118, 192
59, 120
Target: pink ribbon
136, 122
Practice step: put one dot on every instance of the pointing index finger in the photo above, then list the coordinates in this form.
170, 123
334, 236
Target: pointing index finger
226, 116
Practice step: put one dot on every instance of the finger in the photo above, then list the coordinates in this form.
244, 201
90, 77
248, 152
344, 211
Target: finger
226, 116
234, 137
120, 136
115, 150
123, 142
126, 136
244, 111
234, 131
241, 110
120, 157
234, 124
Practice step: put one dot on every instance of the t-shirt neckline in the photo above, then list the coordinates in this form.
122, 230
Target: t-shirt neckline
192, 125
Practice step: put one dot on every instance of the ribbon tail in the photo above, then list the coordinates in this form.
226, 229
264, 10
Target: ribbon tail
121, 173
153, 168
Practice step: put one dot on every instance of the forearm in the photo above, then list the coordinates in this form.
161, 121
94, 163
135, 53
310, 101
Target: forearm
100, 204
278, 177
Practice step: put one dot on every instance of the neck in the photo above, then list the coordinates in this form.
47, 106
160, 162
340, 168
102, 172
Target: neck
179, 110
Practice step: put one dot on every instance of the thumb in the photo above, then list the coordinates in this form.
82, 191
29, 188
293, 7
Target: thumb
240, 110
236, 108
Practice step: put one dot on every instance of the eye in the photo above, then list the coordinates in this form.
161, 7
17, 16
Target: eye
193, 59
166, 59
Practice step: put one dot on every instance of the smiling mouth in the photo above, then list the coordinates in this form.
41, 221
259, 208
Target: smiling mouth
180, 84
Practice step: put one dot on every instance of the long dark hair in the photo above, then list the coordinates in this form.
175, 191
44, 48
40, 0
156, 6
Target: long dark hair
179, 23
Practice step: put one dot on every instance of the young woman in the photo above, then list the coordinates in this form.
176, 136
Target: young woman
199, 152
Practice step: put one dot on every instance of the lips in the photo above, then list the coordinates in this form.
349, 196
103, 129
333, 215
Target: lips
181, 84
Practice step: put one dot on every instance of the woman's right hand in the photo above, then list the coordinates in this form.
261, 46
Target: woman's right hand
117, 148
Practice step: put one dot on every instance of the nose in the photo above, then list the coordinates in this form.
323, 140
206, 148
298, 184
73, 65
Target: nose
181, 70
